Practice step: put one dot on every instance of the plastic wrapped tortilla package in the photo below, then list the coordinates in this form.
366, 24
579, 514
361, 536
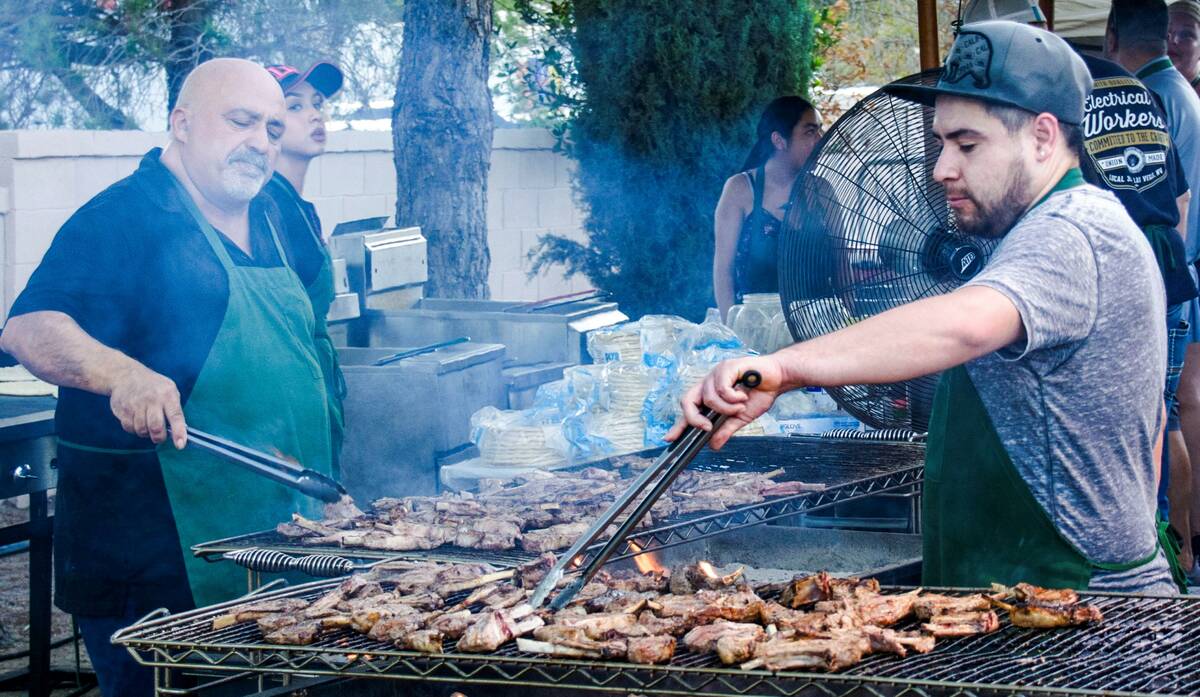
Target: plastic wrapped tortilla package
710, 334
624, 430
627, 385
527, 438
581, 389
661, 336
620, 343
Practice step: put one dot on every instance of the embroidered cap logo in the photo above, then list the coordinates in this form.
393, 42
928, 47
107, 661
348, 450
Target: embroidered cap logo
971, 57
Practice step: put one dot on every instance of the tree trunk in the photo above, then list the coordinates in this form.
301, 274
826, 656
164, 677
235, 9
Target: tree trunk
442, 134
189, 46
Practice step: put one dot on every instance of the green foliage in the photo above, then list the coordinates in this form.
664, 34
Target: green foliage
672, 93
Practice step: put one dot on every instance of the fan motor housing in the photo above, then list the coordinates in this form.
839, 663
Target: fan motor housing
960, 257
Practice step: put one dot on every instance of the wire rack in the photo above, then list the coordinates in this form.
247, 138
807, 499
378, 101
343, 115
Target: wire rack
1145, 646
850, 470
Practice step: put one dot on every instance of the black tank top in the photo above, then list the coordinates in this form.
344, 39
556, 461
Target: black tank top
756, 262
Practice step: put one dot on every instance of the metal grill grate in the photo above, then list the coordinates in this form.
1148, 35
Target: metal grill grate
1145, 646
850, 469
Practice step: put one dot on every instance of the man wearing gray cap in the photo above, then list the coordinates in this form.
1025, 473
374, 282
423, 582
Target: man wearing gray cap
1040, 462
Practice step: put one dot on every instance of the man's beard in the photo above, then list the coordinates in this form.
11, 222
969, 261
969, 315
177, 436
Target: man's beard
245, 174
995, 220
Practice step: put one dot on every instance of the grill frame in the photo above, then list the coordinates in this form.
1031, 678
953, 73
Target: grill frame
813, 459
178, 642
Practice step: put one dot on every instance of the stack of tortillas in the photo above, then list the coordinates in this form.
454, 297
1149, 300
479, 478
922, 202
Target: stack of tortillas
628, 383
623, 345
511, 445
624, 430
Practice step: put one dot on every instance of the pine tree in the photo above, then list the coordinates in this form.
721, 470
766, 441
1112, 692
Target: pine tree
672, 93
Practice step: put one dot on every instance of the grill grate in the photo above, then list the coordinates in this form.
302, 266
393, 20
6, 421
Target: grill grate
1145, 646
850, 469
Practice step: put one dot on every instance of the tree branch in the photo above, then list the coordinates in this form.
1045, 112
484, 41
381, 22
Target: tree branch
105, 115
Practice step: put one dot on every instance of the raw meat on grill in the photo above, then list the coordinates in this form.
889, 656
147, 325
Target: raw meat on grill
651, 650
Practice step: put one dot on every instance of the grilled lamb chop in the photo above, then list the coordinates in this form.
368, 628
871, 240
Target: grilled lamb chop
497, 627
899, 643
657, 581
451, 625
740, 606
395, 628
1051, 617
424, 640
343, 509
292, 531
490, 533
273, 623
531, 574
598, 626
830, 655
576, 638
874, 609
792, 488
296, 634
703, 639
653, 625
631, 602
552, 538
505, 596
930, 604
365, 619
651, 650
257, 610
807, 590
962, 624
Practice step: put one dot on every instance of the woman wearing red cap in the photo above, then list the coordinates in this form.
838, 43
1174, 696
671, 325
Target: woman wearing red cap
303, 140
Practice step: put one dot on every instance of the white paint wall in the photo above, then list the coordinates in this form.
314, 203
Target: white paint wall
46, 175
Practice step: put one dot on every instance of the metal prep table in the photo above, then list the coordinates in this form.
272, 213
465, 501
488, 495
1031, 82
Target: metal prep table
27, 449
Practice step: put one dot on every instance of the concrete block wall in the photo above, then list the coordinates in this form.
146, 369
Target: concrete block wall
46, 175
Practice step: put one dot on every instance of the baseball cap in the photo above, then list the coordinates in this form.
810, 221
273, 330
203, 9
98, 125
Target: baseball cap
1012, 64
1191, 8
1012, 10
325, 78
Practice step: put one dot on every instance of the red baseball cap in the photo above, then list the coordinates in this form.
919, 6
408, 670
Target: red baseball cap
325, 78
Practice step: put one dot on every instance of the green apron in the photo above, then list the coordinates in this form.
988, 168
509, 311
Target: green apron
320, 295
982, 524
262, 385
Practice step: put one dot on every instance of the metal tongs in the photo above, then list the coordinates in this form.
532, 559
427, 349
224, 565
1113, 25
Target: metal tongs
654, 481
306, 481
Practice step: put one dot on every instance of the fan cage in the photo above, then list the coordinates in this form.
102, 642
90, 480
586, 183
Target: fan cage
868, 229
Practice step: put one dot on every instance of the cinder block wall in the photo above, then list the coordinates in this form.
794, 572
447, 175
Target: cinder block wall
46, 175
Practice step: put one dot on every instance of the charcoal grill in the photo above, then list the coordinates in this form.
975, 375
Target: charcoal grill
1145, 646
850, 469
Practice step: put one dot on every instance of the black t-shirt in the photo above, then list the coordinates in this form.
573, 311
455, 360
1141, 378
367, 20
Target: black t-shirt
303, 227
134, 270
1128, 151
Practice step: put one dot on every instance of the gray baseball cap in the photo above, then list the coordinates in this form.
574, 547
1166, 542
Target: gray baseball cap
1012, 64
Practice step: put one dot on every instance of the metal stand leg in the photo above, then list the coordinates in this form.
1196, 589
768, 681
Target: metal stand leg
40, 574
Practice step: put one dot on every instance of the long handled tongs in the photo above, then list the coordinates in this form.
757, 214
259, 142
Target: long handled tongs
654, 482
306, 481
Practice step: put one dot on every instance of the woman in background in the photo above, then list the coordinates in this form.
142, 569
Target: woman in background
750, 213
303, 140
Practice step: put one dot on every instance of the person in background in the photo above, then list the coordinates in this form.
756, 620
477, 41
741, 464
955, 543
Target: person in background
1127, 150
304, 140
1183, 39
750, 212
1136, 37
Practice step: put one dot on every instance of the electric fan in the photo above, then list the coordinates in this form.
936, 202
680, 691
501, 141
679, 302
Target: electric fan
868, 229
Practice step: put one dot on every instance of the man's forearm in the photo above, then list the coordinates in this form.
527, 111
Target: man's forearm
909, 341
56, 349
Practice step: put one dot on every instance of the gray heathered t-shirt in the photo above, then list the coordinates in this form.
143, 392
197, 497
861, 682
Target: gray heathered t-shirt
1077, 403
1182, 107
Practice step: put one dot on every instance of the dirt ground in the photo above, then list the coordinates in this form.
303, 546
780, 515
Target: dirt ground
14, 609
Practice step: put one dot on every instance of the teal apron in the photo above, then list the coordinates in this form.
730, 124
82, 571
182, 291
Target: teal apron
320, 295
982, 524
262, 385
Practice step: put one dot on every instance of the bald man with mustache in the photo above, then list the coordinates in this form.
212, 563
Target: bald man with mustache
170, 300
